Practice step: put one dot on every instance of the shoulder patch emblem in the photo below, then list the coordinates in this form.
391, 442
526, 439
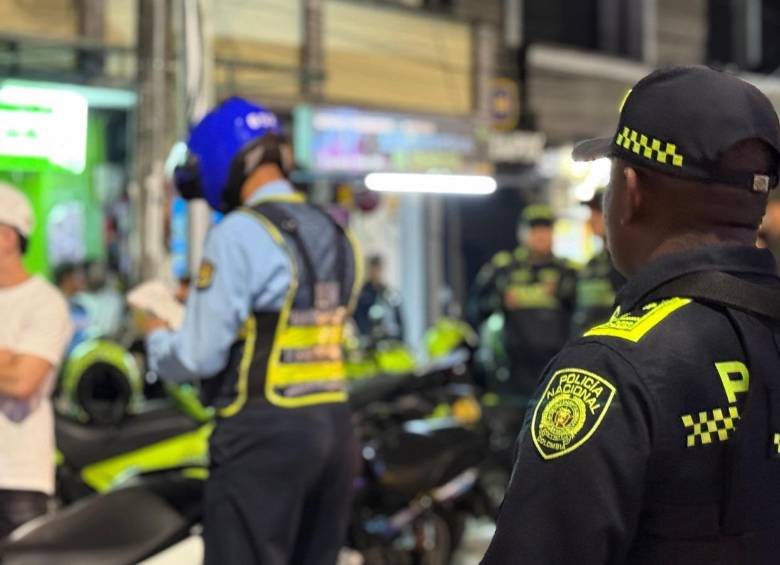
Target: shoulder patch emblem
634, 325
205, 275
502, 259
569, 411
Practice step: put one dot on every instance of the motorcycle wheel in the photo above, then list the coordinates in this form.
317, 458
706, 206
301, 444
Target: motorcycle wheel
436, 540
428, 542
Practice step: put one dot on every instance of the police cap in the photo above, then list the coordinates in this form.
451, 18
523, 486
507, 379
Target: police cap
679, 120
537, 215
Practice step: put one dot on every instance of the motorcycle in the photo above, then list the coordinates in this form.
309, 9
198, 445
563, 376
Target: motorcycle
420, 478
112, 425
420, 465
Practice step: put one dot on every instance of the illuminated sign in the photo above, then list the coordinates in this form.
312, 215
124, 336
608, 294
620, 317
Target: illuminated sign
42, 127
516, 147
505, 104
347, 140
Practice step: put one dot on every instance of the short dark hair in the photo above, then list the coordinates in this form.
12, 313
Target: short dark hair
22, 242
65, 270
690, 204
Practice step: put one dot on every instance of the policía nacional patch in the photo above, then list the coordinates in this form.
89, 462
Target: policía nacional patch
569, 411
205, 275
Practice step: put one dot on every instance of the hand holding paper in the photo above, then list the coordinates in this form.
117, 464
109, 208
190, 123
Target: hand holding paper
155, 298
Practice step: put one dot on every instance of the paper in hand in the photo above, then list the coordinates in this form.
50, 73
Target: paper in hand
157, 299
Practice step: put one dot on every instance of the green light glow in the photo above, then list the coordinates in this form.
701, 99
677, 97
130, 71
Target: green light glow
41, 127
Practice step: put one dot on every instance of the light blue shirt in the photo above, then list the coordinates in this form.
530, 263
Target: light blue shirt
251, 273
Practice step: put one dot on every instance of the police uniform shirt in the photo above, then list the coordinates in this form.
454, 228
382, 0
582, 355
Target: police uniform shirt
597, 285
623, 459
229, 286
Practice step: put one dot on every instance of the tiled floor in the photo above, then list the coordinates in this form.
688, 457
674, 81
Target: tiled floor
475, 541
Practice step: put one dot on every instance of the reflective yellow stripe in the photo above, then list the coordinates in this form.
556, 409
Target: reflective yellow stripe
634, 328
275, 233
299, 373
295, 198
310, 336
280, 375
242, 387
531, 296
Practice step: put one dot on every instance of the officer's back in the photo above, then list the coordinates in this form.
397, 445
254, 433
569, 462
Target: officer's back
655, 438
263, 332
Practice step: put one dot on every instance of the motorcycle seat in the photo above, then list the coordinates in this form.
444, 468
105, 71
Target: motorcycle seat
121, 527
84, 444
427, 454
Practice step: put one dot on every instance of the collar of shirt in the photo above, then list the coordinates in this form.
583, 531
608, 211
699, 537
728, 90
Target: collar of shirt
275, 189
734, 259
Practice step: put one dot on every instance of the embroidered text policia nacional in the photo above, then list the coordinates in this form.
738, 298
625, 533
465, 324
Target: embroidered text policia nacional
569, 411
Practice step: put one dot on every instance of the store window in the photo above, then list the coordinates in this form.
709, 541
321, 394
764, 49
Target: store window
613, 27
743, 34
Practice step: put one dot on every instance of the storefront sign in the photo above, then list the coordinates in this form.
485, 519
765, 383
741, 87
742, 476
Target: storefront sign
505, 104
42, 127
516, 147
347, 140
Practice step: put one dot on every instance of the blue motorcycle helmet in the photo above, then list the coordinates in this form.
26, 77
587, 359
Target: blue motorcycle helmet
225, 148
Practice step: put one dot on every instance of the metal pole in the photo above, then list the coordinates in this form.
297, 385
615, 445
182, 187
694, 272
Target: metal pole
434, 212
92, 26
312, 49
198, 54
746, 32
150, 136
485, 49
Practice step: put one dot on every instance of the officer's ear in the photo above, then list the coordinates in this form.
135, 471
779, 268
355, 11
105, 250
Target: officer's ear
632, 197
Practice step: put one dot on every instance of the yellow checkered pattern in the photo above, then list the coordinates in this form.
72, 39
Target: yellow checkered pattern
709, 426
649, 147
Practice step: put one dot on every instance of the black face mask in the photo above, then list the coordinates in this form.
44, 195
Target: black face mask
187, 179
259, 151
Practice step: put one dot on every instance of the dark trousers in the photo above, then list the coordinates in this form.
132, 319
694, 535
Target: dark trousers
279, 490
18, 507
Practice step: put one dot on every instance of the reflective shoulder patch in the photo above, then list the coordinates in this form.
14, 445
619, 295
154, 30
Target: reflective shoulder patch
502, 259
635, 325
569, 411
205, 275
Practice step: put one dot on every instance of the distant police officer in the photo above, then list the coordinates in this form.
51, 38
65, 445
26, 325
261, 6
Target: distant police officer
655, 438
535, 292
599, 281
263, 331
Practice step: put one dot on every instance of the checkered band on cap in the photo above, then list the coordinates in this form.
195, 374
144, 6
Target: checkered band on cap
649, 147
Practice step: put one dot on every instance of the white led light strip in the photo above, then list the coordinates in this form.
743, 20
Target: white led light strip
430, 183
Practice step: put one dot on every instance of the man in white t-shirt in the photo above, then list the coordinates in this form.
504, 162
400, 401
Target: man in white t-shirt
34, 332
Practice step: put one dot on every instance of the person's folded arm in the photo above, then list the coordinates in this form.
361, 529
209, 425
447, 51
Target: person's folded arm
22, 374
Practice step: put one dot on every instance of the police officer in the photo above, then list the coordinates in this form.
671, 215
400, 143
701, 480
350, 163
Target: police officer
535, 292
599, 281
262, 332
655, 438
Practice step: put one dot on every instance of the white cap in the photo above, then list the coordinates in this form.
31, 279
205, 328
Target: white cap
15, 210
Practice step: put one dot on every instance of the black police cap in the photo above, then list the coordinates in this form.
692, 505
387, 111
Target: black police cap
537, 215
679, 120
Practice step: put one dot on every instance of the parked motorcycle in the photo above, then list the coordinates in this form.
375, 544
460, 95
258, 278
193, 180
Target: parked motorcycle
424, 448
420, 470
111, 425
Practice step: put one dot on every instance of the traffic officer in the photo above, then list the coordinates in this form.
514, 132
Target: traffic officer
535, 292
599, 281
263, 331
655, 438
